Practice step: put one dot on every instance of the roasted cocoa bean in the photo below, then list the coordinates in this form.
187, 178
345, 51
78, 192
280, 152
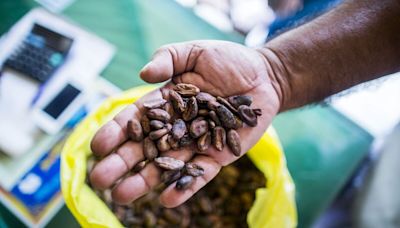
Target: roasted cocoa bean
193, 169
174, 143
156, 103
145, 122
187, 90
154, 135
184, 182
213, 105
247, 115
239, 100
169, 163
139, 166
186, 140
233, 141
178, 129
170, 176
204, 142
162, 144
224, 102
198, 127
203, 98
158, 114
177, 102
191, 109
257, 111
213, 116
226, 117
149, 149
168, 108
156, 124
134, 130
219, 138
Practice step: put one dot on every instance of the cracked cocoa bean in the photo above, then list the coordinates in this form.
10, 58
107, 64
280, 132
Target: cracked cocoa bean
219, 138
226, 117
150, 150
162, 144
169, 163
227, 104
154, 135
134, 130
145, 122
158, 114
187, 90
239, 100
204, 142
193, 169
247, 115
177, 102
184, 182
178, 129
233, 141
191, 109
156, 124
156, 103
198, 127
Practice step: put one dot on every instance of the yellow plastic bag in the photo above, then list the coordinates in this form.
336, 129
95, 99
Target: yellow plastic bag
274, 205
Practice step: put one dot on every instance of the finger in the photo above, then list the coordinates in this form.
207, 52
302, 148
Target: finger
171, 60
114, 166
171, 197
135, 186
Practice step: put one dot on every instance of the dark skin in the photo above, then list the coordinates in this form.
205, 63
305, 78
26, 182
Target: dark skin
356, 42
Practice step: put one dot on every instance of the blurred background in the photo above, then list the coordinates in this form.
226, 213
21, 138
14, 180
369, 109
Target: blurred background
61, 58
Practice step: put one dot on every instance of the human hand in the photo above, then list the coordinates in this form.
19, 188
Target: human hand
219, 68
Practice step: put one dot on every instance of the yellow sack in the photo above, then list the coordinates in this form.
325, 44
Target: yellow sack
274, 205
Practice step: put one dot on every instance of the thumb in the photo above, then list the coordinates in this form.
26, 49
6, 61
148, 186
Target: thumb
170, 60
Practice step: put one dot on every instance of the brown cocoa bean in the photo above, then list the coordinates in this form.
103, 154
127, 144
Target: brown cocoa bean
191, 109
174, 143
213, 104
168, 108
233, 141
156, 124
139, 166
193, 169
198, 127
149, 149
204, 142
239, 100
145, 122
179, 129
219, 138
154, 135
155, 103
227, 104
203, 98
177, 102
203, 112
170, 176
186, 140
257, 111
213, 116
226, 117
247, 115
162, 144
211, 124
158, 114
187, 90
184, 182
134, 130
169, 163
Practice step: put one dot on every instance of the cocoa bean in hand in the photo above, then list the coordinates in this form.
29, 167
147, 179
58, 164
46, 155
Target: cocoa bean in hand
177, 101
184, 182
174, 143
219, 138
170, 176
247, 115
156, 103
154, 135
224, 102
257, 111
191, 109
239, 100
187, 90
158, 114
162, 144
203, 99
156, 124
168, 108
213, 104
213, 116
193, 169
211, 124
169, 163
226, 117
198, 127
204, 142
134, 130
145, 122
178, 129
149, 149
233, 141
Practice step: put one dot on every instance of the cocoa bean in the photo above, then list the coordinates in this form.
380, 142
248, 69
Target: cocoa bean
233, 141
134, 130
219, 138
184, 182
145, 122
178, 129
213, 116
169, 163
226, 117
154, 135
187, 90
198, 127
203, 98
149, 149
213, 104
177, 102
193, 169
156, 103
227, 104
211, 124
173, 142
170, 176
158, 114
239, 100
204, 142
162, 144
186, 140
191, 109
247, 115
257, 111
156, 124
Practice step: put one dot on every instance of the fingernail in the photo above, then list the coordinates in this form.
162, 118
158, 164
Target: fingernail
146, 66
